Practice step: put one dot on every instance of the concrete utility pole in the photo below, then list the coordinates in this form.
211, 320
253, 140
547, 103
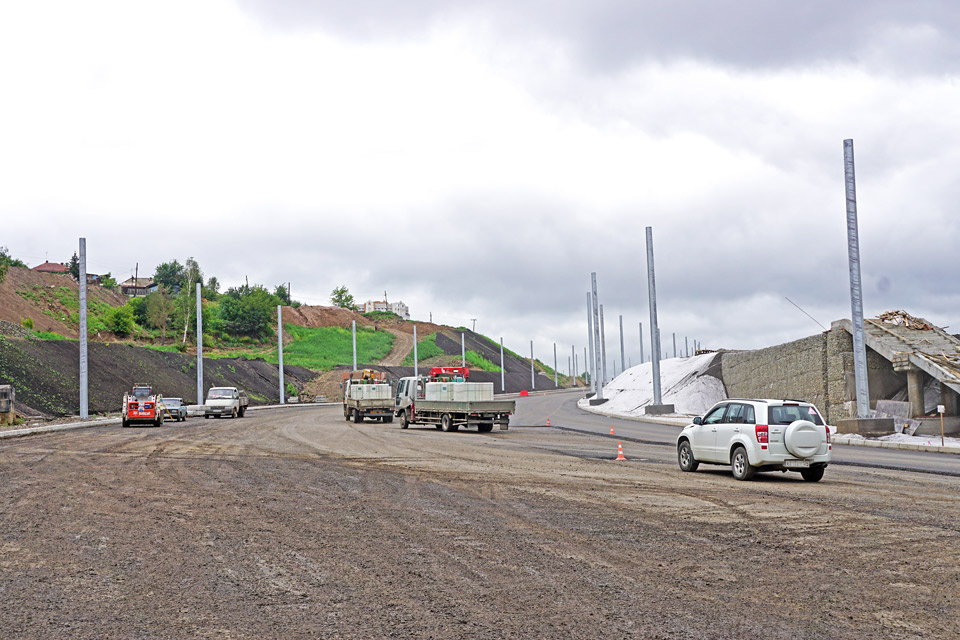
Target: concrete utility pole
84, 377
474, 321
556, 380
623, 353
686, 347
280, 349
589, 363
595, 355
503, 369
573, 364
416, 367
654, 331
354, 345
674, 345
463, 349
856, 290
199, 346
603, 349
533, 379
641, 343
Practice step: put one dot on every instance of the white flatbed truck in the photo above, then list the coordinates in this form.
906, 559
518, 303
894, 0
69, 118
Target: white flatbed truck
446, 400
367, 394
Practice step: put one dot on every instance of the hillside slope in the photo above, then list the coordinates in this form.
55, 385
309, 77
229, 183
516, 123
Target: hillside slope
41, 296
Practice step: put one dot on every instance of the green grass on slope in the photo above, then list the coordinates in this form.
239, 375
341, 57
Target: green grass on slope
426, 349
478, 361
320, 349
327, 347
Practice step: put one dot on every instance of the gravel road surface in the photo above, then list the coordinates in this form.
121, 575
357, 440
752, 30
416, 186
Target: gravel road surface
292, 523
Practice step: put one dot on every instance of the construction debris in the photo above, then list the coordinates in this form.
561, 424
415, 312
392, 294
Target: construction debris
904, 319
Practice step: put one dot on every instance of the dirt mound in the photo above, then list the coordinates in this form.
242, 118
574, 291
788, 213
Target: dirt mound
320, 316
46, 373
47, 314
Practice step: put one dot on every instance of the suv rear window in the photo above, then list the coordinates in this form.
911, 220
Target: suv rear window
788, 413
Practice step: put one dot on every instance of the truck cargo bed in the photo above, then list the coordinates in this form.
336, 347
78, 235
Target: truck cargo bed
467, 406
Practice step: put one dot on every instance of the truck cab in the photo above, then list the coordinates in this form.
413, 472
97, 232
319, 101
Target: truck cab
140, 406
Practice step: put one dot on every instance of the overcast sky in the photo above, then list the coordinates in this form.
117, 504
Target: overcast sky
479, 159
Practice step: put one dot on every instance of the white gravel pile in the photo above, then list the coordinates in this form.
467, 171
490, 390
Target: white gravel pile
683, 383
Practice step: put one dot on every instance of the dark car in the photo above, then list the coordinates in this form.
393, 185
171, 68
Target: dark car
173, 409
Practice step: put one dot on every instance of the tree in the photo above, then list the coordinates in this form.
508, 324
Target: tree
248, 311
340, 297
283, 293
74, 267
213, 284
107, 281
193, 275
6, 261
158, 309
170, 275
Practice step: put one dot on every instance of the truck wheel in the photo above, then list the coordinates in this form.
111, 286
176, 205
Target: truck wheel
357, 416
446, 422
242, 411
388, 418
125, 423
233, 413
206, 415
485, 428
404, 421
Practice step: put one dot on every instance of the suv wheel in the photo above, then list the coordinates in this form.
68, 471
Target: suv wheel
813, 474
740, 465
685, 457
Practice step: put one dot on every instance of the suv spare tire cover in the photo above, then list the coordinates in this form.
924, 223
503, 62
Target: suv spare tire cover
802, 438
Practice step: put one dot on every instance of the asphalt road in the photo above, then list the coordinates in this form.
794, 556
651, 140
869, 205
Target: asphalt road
562, 411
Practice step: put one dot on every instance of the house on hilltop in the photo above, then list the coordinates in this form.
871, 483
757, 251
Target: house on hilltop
138, 286
52, 267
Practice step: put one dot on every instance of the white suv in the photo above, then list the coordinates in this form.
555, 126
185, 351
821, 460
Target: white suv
758, 435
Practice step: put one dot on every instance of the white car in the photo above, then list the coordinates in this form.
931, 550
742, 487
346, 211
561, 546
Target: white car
758, 435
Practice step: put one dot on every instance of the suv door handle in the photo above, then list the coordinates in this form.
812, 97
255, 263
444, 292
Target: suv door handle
714, 429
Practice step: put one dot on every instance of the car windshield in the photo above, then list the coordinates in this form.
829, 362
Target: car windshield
789, 413
220, 393
172, 402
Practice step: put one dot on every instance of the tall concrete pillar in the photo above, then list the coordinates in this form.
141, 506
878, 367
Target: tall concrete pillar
949, 399
915, 392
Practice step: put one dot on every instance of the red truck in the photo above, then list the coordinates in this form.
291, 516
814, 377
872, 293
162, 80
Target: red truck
140, 406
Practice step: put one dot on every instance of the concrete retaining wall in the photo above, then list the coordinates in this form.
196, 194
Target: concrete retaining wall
817, 369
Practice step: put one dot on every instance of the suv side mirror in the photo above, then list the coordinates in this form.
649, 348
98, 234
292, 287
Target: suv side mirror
698, 420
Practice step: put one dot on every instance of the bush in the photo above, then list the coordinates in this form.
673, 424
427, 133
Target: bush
292, 390
120, 321
26, 323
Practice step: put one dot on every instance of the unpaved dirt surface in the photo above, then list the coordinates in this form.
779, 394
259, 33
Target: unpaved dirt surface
292, 523
402, 347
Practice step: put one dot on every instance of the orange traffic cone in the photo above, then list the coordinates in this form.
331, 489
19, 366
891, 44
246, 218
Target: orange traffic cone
548, 422
620, 455
611, 431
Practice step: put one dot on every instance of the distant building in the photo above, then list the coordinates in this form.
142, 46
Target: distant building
138, 286
398, 308
52, 267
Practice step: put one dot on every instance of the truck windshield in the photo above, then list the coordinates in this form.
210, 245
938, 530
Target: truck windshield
220, 393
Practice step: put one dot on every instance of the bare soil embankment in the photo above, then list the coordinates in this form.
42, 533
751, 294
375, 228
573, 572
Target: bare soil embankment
48, 314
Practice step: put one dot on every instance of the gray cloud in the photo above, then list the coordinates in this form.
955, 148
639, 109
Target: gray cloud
917, 37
